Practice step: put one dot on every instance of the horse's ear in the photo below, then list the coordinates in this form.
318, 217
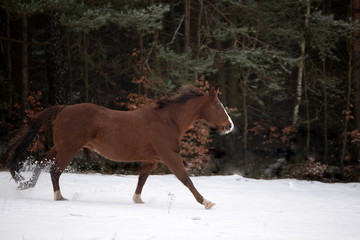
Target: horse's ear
213, 92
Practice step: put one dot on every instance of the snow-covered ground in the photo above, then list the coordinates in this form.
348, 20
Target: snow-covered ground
101, 207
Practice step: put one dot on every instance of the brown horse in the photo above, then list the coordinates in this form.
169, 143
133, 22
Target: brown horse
150, 135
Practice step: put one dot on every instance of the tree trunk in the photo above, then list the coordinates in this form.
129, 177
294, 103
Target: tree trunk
325, 113
55, 65
347, 111
244, 87
9, 63
187, 26
299, 85
327, 5
85, 68
356, 69
69, 57
307, 112
201, 2
24, 63
300, 76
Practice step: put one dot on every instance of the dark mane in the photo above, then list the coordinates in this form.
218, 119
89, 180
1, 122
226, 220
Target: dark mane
185, 93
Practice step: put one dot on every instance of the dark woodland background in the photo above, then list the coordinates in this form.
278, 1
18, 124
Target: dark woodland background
288, 70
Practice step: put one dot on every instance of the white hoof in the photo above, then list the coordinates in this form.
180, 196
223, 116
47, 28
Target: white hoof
137, 199
23, 186
208, 204
58, 196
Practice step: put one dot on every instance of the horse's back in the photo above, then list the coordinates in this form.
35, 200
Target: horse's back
76, 124
117, 135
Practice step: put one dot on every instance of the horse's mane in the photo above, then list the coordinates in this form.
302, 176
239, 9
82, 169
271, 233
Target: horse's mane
185, 93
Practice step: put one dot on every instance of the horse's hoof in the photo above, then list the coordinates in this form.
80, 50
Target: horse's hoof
62, 199
208, 204
24, 186
137, 199
58, 196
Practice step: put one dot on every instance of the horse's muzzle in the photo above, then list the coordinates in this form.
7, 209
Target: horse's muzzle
226, 129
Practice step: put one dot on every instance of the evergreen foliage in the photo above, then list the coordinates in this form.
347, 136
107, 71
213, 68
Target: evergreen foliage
124, 54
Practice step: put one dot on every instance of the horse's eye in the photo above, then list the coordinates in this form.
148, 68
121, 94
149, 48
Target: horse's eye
218, 106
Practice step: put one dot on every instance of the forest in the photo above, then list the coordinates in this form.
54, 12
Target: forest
288, 72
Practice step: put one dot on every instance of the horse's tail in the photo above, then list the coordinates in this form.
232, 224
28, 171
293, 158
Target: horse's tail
25, 137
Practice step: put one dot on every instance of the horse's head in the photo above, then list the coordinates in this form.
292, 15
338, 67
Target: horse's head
215, 114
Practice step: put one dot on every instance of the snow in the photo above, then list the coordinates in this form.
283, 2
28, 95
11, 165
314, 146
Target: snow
101, 207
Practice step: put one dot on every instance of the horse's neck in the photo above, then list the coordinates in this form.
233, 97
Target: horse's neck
185, 114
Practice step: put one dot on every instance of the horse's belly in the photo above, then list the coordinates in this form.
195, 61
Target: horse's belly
125, 153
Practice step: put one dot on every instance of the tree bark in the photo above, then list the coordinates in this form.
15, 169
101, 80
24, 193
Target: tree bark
299, 83
244, 100
347, 111
24, 63
69, 57
356, 69
201, 2
55, 65
187, 26
327, 9
325, 114
85, 68
300, 76
9, 63
307, 113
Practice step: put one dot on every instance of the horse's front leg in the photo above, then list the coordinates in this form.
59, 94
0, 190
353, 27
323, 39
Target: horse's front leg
146, 169
176, 165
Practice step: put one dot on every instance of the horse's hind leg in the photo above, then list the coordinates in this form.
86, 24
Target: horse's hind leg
33, 180
61, 161
146, 169
45, 159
